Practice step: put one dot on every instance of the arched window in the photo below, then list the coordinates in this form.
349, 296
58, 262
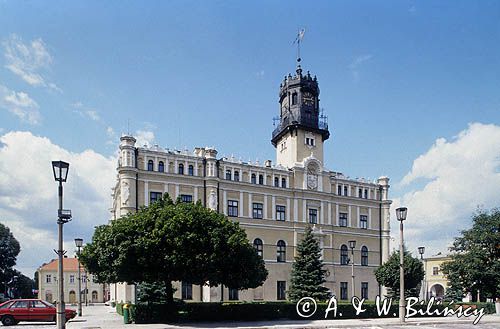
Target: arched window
254, 179
276, 182
228, 174
190, 170
150, 165
281, 251
344, 255
259, 246
364, 256
161, 166
283, 182
72, 296
236, 175
180, 170
261, 179
94, 296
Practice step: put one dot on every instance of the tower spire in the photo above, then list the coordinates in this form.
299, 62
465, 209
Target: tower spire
298, 39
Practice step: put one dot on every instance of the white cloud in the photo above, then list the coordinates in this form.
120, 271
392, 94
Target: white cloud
86, 112
356, 63
20, 104
27, 60
144, 137
458, 176
28, 194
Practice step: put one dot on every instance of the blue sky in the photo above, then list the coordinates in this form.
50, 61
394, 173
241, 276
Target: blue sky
395, 77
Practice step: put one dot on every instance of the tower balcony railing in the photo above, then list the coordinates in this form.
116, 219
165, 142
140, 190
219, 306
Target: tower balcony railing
314, 123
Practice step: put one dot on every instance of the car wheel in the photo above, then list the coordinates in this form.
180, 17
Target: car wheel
8, 321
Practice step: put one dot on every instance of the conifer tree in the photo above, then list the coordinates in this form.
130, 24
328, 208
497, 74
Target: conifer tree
308, 274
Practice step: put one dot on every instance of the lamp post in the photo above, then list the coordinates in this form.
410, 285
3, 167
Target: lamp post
79, 243
60, 169
352, 245
421, 251
401, 216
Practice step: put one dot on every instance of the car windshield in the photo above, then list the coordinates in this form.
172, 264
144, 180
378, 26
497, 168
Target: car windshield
6, 304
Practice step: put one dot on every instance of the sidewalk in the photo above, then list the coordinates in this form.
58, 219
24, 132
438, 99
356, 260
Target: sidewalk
105, 317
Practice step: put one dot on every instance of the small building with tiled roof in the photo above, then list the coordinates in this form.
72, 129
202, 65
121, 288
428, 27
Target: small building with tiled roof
92, 292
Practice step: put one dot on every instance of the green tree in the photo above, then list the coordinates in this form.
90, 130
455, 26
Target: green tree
174, 241
475, 264
388, 274
9, 249
308, 275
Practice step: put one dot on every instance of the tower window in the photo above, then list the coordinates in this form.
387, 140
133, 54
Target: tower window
232, 208
190, 170
161, 166
259, 246
313, 216
280, 213
364, 256
294, 99
363, 221
343, 219
254, 179
344, 255
150, 165
257, 210
281, 251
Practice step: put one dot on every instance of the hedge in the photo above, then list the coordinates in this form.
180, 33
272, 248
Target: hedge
257, 311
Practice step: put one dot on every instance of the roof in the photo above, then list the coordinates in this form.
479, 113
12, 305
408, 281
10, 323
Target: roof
69, 265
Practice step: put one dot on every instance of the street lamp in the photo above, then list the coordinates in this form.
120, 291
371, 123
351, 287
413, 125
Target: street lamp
352, 245
60, 169
401, 216
421, 251
79, 244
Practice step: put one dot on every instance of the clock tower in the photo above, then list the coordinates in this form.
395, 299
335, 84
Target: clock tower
301, 131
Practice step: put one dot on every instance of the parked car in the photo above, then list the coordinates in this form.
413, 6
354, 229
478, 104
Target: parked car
15, 310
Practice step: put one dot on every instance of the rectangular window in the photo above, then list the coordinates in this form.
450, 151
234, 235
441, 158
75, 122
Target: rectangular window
154, 196
339, 190
232, 208
363, 221
313, 216
186, 198
435, 270
345, 190
280, 213
360, 193
257, 210
343, 290
364, 290
366, 194
233, 294
187, 290
343, 219
281, 290
228, 174
48, 278
71, 279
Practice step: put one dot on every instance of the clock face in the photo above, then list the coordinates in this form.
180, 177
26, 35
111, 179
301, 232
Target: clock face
308, 98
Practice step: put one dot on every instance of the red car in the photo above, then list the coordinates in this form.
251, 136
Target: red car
15, 310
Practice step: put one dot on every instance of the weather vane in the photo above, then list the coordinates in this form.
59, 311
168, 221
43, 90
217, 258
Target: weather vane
298, 39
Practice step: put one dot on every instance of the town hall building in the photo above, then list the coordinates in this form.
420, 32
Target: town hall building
273, 202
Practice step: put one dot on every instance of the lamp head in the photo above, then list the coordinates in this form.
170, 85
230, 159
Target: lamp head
60, 169
421, 250
79, 242
352, 244
401, 213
